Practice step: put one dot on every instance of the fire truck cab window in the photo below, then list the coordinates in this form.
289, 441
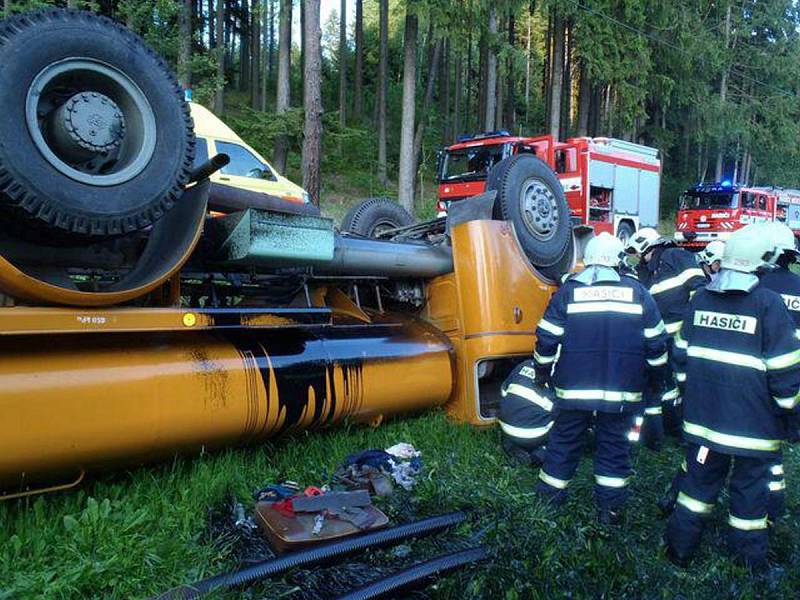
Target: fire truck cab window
470, 163
748, 200
696, 199
566, 160
762, 203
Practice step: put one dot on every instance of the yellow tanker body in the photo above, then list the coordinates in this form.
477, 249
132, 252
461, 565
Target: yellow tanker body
75, 402
143, 313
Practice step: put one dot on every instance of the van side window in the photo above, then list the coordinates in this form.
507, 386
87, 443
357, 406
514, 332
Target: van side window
243, 162
200, 152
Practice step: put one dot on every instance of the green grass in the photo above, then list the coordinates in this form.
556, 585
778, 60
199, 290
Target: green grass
136, 533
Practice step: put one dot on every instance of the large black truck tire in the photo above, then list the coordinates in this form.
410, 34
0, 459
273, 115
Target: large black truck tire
531, 197
371, 217
95, 136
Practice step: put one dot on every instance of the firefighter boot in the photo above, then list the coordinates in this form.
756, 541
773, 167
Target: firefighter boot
515, 453
666, 504
608, 517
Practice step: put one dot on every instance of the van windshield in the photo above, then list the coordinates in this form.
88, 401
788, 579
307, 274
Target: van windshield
693, 200
470, 163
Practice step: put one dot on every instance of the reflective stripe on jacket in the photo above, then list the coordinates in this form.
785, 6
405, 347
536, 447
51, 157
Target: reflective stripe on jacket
611, 338
740, 361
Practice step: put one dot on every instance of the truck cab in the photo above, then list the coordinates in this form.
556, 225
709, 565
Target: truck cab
713, 211
464, 167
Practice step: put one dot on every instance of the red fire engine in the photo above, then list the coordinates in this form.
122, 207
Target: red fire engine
610, 184
712, 211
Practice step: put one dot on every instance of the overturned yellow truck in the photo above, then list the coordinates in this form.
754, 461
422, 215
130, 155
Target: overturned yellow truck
145, 312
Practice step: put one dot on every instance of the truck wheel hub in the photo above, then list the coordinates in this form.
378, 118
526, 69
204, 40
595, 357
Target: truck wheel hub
539, 209
87, 124
90, 121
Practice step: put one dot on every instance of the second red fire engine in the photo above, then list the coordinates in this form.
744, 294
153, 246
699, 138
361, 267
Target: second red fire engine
611, 185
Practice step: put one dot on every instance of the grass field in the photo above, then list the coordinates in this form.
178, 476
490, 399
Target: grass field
137, 533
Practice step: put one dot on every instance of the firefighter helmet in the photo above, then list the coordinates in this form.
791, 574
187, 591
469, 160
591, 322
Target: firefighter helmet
783, 240
604, 250
748, 248
643, 240
712, 252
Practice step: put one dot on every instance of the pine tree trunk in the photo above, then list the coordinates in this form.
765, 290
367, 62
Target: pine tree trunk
405, 184
358, 75
548, 67
723, 94
444, 90
491, 72
557, 76
383, 85
433, 69
511, 103
219, 96
255, 59
481, 88
528, 66
270, 27
584, 99
566, 93
594, 110
244, 49
470, 85
343, 63
185, 46
266, 51
283, 93
302, 45
312, 84
456, 131
499, 98
212, 32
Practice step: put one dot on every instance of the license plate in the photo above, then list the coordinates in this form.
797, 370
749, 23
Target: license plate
703, 225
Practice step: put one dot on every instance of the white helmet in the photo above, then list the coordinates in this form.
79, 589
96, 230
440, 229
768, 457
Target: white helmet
782, 239
604, 250
712, 252
747, 248
644, 239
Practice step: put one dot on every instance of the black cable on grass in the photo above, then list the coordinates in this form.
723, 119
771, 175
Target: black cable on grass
314, 556
416, 575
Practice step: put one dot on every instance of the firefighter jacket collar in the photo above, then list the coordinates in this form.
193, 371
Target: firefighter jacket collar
732, 281
596, 274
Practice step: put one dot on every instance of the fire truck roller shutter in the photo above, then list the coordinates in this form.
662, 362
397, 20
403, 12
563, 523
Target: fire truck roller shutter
531, 197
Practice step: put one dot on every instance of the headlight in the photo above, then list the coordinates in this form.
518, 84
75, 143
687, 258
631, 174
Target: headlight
306, 197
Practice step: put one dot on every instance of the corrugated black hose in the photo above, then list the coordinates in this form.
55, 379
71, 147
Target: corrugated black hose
416, 575
312, 556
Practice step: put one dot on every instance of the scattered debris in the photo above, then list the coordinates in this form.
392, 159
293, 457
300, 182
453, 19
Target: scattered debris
379, 470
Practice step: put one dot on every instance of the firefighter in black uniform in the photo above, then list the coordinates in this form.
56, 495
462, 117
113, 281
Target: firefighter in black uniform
710, 260
611, 338
526, 414
738, 361
672, 275
783, 281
